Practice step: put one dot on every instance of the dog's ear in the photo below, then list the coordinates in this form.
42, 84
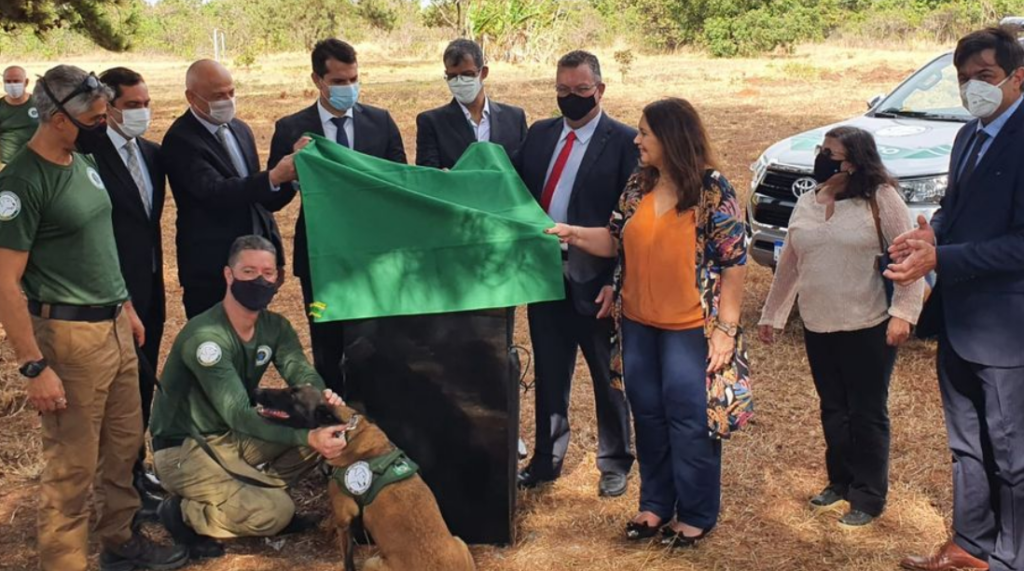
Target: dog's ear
325, 416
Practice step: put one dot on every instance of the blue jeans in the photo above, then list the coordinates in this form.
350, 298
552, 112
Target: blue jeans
680, 465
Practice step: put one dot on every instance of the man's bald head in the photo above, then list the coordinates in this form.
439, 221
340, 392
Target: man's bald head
15, 74
206, 81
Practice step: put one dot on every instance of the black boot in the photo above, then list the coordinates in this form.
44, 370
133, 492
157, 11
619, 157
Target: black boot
141, 553
199, 546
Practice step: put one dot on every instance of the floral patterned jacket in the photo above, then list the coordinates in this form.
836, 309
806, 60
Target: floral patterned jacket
721, 243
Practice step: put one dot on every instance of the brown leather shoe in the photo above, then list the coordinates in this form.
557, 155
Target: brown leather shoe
950, 557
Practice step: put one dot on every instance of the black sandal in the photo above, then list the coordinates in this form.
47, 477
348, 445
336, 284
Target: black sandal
640, 531
676, 539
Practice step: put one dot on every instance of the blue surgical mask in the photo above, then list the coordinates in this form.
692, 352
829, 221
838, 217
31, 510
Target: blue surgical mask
344, 97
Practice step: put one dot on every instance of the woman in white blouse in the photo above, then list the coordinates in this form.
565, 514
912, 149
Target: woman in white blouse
829, 265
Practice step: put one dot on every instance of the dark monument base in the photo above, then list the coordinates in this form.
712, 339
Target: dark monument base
445, 388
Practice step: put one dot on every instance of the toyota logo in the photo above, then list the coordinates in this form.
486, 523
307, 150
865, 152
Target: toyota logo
804, 185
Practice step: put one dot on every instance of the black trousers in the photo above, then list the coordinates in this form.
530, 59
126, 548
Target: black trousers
984, 408
328, 341
198, 299
556, 331
153, 321
851, 371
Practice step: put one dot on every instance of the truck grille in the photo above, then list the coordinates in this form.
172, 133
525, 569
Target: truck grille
777, 185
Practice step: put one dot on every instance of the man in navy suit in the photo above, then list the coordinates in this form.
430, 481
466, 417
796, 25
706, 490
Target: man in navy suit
576, 166
130, 168
975, 243
339, 116
221, 193
443, 134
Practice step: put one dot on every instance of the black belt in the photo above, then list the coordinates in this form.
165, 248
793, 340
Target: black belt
89, 313
162, 443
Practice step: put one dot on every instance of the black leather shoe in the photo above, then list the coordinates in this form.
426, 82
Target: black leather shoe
612, 485
856, 518
827, 497
198, 546
146, 480
527, 480
141, 553
301, 524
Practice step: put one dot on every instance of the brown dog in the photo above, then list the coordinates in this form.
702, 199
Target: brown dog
403, 519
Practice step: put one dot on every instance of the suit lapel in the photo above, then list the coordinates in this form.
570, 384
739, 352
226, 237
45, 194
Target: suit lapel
212, 142
495, 121
311, 122
1003, 140
247, 146
594, 149
125, 184
547, 149
362, 130
150, 154
461, 125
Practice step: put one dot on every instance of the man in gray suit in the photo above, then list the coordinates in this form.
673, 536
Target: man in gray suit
443, 134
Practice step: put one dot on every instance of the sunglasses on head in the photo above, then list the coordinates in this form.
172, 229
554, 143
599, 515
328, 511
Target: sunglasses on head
90, 84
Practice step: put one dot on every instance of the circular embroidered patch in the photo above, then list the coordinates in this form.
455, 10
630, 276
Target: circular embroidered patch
358, 478
263, 355
208, 354
10, 206
94, 177
33, 112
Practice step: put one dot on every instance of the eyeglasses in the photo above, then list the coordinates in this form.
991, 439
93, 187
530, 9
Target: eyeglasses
580, 90
827, 152
465, 75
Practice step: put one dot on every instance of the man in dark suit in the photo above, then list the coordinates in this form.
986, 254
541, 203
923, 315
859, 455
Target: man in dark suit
221, 194
443, 134
576, 166
134, 178
975, 243
339, 116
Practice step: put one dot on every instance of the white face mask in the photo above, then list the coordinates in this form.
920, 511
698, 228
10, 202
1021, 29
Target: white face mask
981, 98
465, 89
221, 111
15, 90
134, 122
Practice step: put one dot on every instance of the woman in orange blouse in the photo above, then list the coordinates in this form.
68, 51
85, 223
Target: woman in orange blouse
679, 237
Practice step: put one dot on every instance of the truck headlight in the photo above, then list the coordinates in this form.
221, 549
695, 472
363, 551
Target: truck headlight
758, 167
929, 190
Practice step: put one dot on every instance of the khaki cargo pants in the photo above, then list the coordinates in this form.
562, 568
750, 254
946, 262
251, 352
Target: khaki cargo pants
217, 505
95, 439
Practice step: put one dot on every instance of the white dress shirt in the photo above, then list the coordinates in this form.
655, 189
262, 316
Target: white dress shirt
121, 144
558, 210
483, 130
331, 130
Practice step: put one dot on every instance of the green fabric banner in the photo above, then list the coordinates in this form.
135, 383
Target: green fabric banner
392, 239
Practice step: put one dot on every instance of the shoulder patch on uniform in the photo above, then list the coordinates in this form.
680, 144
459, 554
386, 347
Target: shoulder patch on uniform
10, 206
33, 112
358, 478
95, 178
209, 353
263, 355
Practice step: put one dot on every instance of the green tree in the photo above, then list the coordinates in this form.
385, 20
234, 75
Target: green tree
109, 23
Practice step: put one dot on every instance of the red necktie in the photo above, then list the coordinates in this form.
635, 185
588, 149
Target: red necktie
556, 172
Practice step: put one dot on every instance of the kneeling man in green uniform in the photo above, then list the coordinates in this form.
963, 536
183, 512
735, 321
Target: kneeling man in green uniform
226, 466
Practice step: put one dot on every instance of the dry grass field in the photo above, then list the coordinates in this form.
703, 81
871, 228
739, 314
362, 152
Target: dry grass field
770, 470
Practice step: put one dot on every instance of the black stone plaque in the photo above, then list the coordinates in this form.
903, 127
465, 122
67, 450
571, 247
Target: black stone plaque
445, 388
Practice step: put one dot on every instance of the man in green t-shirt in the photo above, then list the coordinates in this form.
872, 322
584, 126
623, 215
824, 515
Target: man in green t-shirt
214, 367
74, 337
18, 114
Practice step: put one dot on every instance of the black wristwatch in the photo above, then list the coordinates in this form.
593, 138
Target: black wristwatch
33, 369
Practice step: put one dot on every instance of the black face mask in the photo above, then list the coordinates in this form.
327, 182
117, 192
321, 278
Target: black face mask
574, 107
825, 167
254, 295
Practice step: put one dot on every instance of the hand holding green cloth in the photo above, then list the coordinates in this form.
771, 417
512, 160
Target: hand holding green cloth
390, 239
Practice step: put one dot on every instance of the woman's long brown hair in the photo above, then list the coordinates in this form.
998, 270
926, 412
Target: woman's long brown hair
687, 150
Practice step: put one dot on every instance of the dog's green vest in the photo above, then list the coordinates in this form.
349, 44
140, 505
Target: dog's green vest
365, 479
